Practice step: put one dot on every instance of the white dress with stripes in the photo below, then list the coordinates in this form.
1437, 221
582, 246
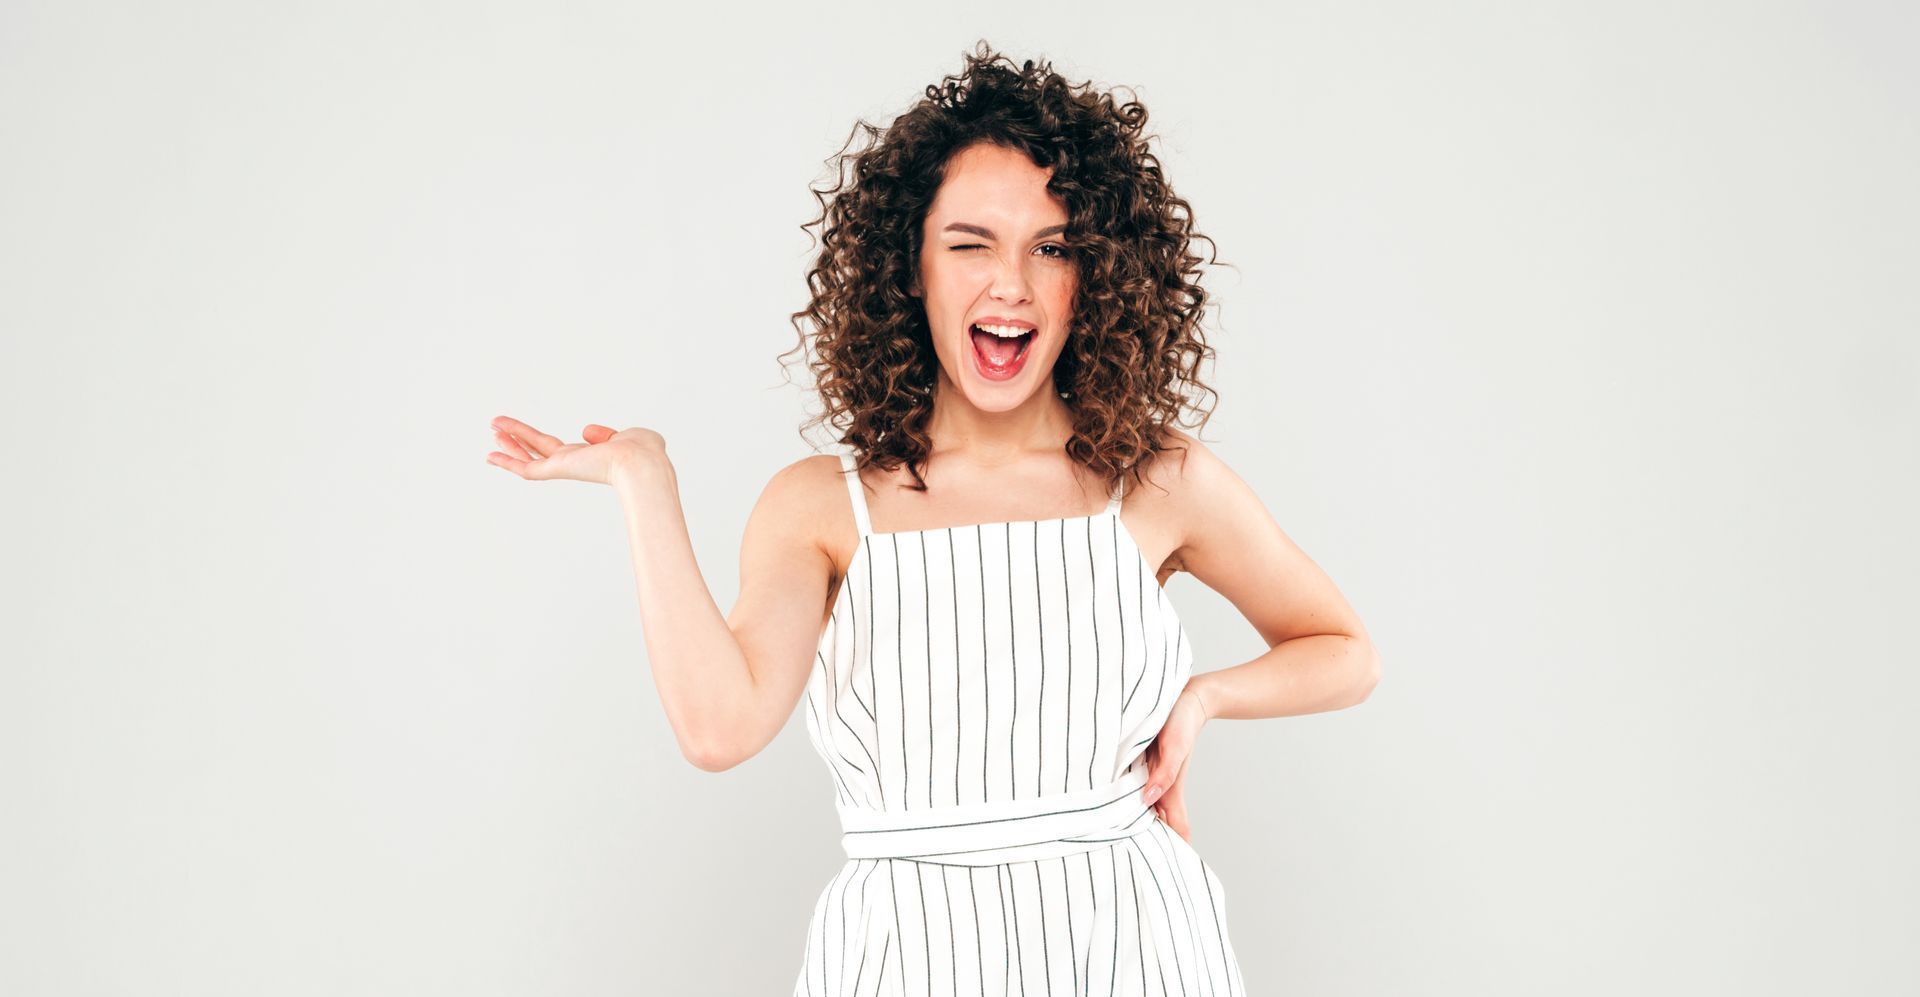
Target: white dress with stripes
983, 696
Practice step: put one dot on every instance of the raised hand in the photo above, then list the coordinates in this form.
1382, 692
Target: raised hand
536, 456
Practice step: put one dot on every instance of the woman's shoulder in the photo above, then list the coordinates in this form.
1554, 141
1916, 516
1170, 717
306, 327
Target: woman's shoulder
807, 502
1185, 468
810, 486
1186, 483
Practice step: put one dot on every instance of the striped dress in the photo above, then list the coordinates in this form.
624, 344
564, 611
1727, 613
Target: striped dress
983, 696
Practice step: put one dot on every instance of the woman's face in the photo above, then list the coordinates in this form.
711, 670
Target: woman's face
991, 255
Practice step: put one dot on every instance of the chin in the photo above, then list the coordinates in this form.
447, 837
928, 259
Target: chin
1005, 396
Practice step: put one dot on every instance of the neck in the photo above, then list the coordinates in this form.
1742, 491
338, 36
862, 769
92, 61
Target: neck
1040, 424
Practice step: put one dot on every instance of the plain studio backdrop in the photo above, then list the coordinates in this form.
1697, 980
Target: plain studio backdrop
1577, 342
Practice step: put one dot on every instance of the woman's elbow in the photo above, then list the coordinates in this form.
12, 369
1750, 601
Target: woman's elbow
710, 754
1367, 675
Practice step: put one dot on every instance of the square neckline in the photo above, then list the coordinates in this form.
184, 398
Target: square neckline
997, 522
863, 524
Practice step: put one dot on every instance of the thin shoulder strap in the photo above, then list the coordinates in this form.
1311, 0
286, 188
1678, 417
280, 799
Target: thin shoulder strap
1119, 492
850, 471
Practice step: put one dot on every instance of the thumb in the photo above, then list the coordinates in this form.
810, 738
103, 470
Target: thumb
596, 433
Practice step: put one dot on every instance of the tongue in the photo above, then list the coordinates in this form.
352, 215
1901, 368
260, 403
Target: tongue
999, 352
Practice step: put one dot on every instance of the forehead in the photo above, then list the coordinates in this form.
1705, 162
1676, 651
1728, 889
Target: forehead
985, 181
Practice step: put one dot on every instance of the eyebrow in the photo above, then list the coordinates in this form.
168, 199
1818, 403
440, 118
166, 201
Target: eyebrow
983, 231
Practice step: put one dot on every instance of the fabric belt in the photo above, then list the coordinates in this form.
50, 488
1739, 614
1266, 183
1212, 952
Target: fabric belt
1001, 831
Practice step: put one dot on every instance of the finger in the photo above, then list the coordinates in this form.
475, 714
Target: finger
1173, 803
531, 470
1164, 773
538, 441
1174, 800
511, 445
533, 450
1176, 793
1164, 769
508, 462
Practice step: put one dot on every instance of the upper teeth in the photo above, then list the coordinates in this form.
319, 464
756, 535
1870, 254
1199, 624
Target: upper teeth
1005, 331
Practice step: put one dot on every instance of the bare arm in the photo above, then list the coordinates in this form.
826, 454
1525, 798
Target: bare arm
1320, 656
727, 683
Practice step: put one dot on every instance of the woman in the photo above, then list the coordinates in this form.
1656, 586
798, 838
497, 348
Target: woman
1004, 326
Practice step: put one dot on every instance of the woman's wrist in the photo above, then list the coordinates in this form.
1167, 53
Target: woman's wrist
639, 466
1202, 687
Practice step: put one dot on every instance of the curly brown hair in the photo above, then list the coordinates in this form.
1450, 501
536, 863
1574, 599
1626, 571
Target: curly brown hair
1133, 353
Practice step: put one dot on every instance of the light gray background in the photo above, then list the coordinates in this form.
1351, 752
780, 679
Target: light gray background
1576, 341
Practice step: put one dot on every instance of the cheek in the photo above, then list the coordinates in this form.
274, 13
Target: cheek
1061, 292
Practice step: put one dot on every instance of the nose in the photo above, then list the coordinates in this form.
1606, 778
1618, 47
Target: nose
1010, 283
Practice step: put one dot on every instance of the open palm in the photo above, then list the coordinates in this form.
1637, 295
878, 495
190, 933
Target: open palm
537, 456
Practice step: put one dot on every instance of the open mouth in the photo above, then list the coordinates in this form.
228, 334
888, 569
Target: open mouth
998, 354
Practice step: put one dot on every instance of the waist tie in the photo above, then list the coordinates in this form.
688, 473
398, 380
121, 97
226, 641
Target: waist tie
1000, 831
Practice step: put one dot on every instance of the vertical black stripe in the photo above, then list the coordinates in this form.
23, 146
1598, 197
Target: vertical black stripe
1046, 947
1006, 950
926, 615
871, 869
926, 929
1019, 951
900, 670
841, 968
1139, 614
893, 890
953, 946
1139, 942
986, 671
1093, 907
979, 950
1066, 609
959, 704
823, 947
1039, 620
1093, 717
1120, 611
1166, 669
1013, 649
1066, 906
1113, 971
873, 672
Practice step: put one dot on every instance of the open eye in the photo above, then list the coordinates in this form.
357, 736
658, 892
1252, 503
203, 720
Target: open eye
1061, 250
